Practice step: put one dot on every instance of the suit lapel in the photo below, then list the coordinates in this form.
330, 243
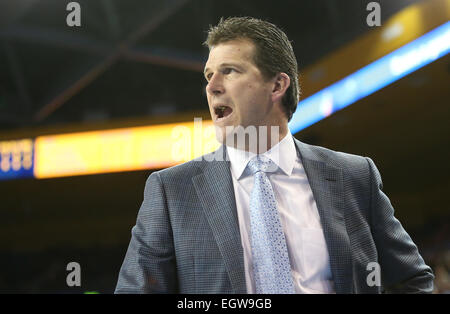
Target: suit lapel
326, 183
215, 190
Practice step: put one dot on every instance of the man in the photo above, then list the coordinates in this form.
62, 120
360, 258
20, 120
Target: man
317, 222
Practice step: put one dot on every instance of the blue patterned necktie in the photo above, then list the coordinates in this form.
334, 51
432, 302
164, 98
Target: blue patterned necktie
271, 266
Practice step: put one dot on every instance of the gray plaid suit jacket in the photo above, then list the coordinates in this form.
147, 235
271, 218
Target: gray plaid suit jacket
187, 240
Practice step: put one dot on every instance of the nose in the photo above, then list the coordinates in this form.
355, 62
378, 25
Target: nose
215, 85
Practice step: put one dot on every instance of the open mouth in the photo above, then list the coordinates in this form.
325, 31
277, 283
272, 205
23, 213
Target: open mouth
222, 112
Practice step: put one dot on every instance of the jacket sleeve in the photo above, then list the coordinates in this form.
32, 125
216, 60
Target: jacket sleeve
403, 270
149, 264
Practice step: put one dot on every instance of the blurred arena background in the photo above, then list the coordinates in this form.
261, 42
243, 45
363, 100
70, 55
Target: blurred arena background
134, 66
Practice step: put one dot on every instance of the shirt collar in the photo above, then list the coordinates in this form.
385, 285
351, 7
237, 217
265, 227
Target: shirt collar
283, 154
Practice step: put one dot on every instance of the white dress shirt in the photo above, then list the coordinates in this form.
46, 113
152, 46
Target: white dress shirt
299, 216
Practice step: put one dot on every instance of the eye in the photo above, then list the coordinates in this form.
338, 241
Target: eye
208, 76
228, 70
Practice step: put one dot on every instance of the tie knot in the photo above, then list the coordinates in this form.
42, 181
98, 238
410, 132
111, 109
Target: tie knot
261, 163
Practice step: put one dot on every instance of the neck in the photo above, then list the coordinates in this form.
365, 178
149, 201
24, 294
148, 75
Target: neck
262, 139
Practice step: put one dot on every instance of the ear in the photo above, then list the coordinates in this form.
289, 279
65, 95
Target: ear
281, 84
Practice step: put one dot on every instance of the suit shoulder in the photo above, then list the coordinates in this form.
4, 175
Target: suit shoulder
338, 159
185, 170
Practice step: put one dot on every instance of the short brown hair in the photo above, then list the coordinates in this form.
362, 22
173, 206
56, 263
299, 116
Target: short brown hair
273, 53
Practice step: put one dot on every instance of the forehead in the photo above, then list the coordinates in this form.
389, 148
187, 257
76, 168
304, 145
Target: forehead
239, 50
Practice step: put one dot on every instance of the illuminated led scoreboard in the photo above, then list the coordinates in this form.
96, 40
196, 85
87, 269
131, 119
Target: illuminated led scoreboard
104, 151
16, 159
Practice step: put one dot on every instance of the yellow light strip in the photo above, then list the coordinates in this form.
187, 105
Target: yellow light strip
126, 149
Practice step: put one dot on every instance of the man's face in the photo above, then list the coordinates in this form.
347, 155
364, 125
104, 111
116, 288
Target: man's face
237, 92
